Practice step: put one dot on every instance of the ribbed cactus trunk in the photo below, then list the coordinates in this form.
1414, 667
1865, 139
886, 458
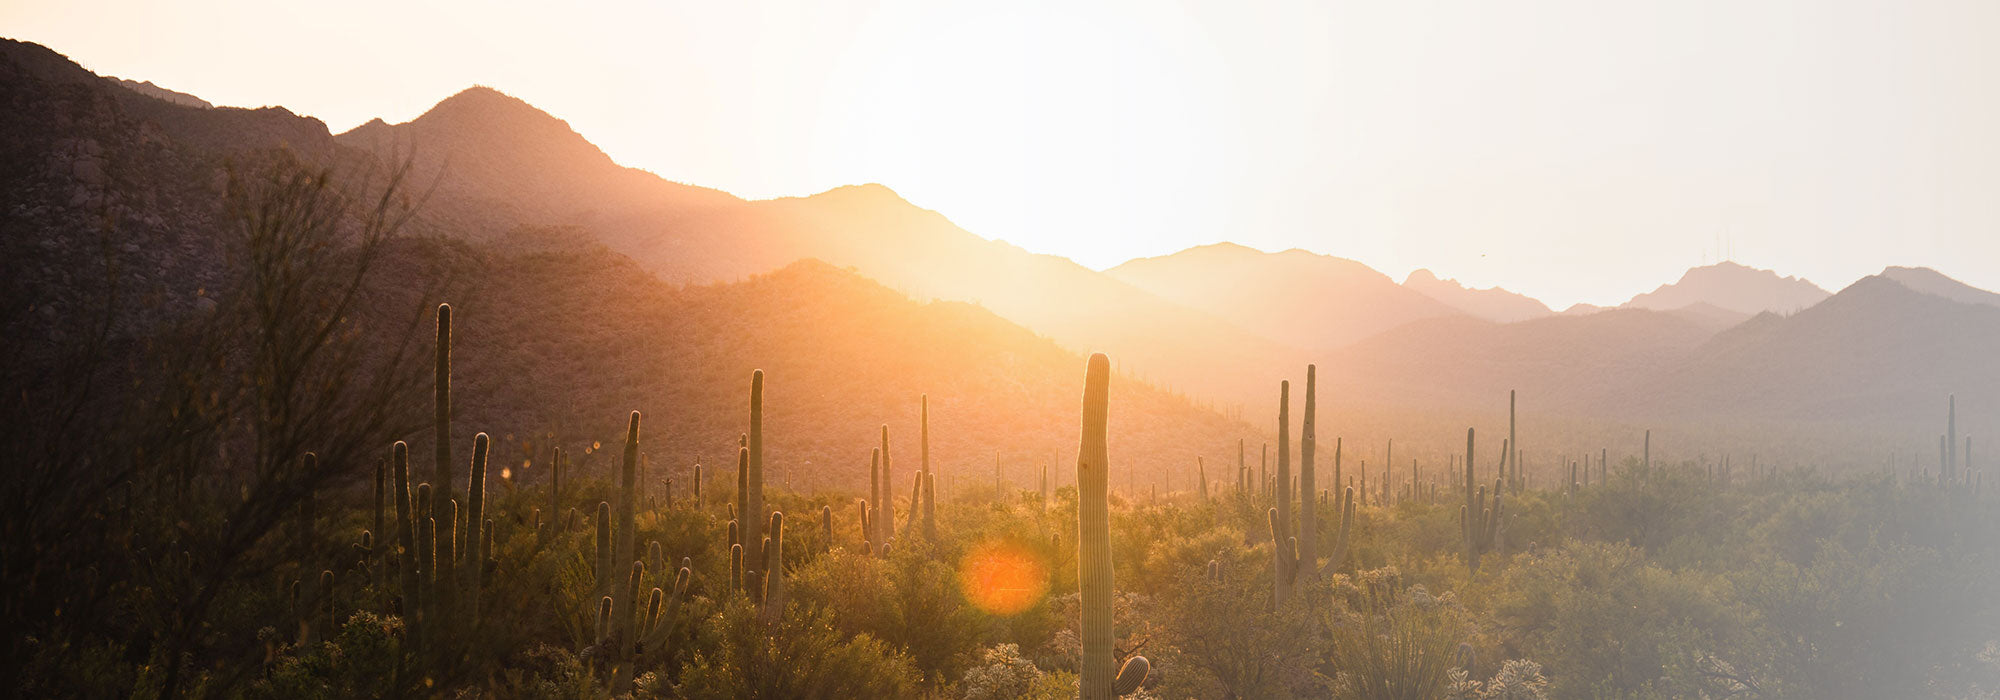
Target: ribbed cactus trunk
696, 492
1649, 451
1093, 523
1284, 478
475, 518
753, 515
1308, 512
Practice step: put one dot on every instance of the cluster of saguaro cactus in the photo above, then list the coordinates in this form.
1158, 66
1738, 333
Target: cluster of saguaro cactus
1101, 677
1479, 523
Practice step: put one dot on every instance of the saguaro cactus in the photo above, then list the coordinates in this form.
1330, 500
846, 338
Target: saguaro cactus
406, 530
475, 517
924, 459
1339, 552
885, 511
1100, 680
753, 514
1480, 524
625, 547
661, 622
875, 491
774, 568
826, 528
1951, 440
602, 562
441, 411
1308, 513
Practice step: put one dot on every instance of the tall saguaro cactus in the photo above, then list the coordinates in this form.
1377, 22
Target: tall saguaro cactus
753, 516
1308, 512
625, 543
441, 414
1099, 668
1514, 446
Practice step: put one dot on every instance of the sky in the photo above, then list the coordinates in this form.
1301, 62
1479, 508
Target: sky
1574, 150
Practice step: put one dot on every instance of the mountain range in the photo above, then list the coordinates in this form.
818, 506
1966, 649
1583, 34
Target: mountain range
1214, 327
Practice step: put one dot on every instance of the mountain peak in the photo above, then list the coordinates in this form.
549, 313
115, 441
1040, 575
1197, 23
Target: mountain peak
1934, 283
1735, 287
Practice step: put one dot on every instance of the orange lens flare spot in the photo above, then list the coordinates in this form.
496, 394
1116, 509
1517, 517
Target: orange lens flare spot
1003, 577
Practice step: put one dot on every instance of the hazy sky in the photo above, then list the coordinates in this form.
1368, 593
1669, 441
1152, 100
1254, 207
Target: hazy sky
1575, 150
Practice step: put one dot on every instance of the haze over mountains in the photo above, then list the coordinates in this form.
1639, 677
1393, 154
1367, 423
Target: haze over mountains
1220, 323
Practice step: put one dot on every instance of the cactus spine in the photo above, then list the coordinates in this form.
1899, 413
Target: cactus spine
1094, 571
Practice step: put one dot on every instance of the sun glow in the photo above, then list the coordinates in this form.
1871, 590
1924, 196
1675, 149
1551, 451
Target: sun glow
1003, 577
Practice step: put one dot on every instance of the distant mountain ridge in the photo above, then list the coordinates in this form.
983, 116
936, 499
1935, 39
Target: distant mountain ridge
1294, 297
503, 168
1493, 303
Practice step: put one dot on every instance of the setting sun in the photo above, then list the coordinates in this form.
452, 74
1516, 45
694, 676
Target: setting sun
1003, 577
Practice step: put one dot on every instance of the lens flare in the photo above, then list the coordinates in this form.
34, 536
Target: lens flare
1003, 577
